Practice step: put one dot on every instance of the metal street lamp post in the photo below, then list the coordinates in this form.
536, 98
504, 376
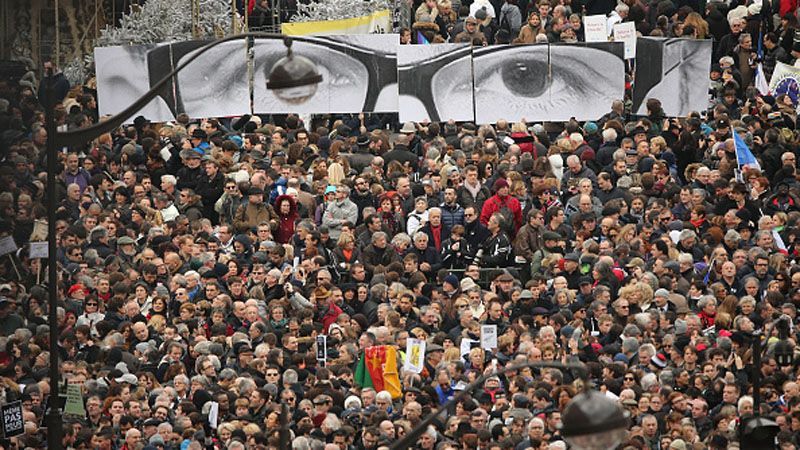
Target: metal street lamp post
293, 78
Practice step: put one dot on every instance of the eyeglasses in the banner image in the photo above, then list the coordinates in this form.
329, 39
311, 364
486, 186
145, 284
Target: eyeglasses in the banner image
355, 78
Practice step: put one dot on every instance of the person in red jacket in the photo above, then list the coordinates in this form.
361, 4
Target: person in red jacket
327, 310
286, 208
505, 204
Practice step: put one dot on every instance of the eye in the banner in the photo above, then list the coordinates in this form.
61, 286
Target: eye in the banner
538, 81
452, 89
216, 82
344, 78
525, 78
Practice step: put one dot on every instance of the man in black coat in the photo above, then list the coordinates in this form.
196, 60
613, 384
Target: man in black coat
210, 187
401, 153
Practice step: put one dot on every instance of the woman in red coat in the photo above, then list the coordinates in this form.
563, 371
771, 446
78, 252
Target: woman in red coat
286, 208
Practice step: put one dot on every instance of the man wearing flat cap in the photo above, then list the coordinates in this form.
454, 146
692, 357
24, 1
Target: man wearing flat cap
254, 211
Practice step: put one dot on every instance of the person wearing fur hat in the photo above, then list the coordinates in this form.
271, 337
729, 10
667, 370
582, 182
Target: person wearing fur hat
427, 29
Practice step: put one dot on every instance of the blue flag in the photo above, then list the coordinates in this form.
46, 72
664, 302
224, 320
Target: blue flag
744, 157
421, 38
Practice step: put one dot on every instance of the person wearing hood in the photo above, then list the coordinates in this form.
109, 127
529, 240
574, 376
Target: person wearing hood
426, 30
286, 208
471, 33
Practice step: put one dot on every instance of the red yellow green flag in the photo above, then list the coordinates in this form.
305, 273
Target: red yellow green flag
377, 369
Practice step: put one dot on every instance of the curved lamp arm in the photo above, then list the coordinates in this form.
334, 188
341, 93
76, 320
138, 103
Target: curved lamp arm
410, 439
84, 135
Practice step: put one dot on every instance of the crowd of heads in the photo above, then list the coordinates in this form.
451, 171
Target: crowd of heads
199, 261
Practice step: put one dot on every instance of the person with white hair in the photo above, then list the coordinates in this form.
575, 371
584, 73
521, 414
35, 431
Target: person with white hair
619, 14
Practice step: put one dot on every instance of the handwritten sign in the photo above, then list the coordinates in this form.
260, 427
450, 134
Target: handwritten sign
38, 250
625, 32
13, 424
74, 405
7, 245
415, 354
595, 28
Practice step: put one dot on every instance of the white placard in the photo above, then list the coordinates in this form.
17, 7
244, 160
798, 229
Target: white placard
415, 355
213, 414
7, 245
595, 28
489, 337
38, 250
625, 32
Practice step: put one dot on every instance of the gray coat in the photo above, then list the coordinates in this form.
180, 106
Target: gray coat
337, 214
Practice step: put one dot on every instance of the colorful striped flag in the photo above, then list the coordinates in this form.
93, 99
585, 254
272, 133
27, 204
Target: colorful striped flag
377, 369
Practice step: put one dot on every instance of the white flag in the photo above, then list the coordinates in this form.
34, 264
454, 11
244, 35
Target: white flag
761, 80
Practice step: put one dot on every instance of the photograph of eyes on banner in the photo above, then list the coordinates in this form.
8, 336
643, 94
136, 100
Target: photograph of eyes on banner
372, 73
359, 75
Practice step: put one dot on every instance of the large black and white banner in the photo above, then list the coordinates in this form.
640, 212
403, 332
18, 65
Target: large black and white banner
359, 74
122, 77
675, 71
435, 82
373, 73
547, 82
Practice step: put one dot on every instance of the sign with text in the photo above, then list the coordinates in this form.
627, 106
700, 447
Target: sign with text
595, 28
13, 425
415, 355
322, 347
625, 32
7, 245
489, 337
38, 250
74, 405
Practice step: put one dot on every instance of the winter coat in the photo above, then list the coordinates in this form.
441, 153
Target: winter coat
496, 204
249, 215
496, 251
285, 231
458, 257
373, 257
466, 199
431, 31
188, 178
452, 214
210, 189
337, 214
527, 241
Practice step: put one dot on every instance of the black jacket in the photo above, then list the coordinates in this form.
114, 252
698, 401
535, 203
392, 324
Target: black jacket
496, 251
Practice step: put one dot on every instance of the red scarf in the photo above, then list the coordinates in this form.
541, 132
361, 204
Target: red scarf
437, 237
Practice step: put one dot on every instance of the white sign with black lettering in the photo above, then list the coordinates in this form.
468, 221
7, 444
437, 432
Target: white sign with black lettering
489, 337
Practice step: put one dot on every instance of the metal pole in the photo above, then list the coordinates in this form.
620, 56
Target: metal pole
757, 374
53, 418
58, 39
233, 16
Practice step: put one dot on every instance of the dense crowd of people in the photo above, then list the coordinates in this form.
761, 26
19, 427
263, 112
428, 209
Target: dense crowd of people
199, 260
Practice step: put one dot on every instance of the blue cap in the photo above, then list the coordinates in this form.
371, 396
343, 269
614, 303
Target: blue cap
330, 190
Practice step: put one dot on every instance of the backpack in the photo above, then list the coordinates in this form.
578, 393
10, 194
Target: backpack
504, 32
508, 218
